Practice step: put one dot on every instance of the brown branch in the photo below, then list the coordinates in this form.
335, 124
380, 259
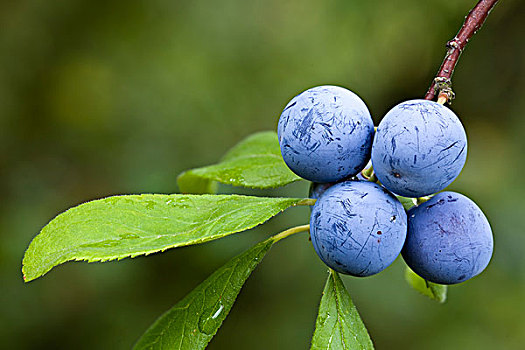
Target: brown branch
441, 85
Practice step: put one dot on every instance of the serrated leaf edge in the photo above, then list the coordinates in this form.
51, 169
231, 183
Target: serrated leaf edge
88, 259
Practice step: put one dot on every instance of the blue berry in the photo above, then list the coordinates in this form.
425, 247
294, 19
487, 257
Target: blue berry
325, 134
419, 148
358, 227
317, 189
449, 239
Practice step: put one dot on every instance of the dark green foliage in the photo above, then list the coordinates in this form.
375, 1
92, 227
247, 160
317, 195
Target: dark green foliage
338, 324
194, 320
255, 162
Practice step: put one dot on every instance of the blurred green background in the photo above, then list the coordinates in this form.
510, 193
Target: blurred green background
109, 97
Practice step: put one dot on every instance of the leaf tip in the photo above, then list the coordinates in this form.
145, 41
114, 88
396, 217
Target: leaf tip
25, 276
24, 271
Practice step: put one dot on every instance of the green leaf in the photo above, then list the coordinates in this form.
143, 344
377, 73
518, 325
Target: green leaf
189, 183
338, 324
407, 202
127, 226
194, 320
255, 162
434, 291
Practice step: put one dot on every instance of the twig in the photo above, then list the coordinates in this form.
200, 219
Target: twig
442, 85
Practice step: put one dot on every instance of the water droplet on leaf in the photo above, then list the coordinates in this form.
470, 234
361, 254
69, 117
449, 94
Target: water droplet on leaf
209, 321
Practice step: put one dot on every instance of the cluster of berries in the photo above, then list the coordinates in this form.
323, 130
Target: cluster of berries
359, 227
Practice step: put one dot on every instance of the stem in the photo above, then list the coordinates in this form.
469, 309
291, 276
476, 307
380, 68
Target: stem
367, 172
443, 98
421, 200
307, 201
290, 231
442, 84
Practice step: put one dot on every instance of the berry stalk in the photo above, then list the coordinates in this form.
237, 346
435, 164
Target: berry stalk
290, 231
442, 85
